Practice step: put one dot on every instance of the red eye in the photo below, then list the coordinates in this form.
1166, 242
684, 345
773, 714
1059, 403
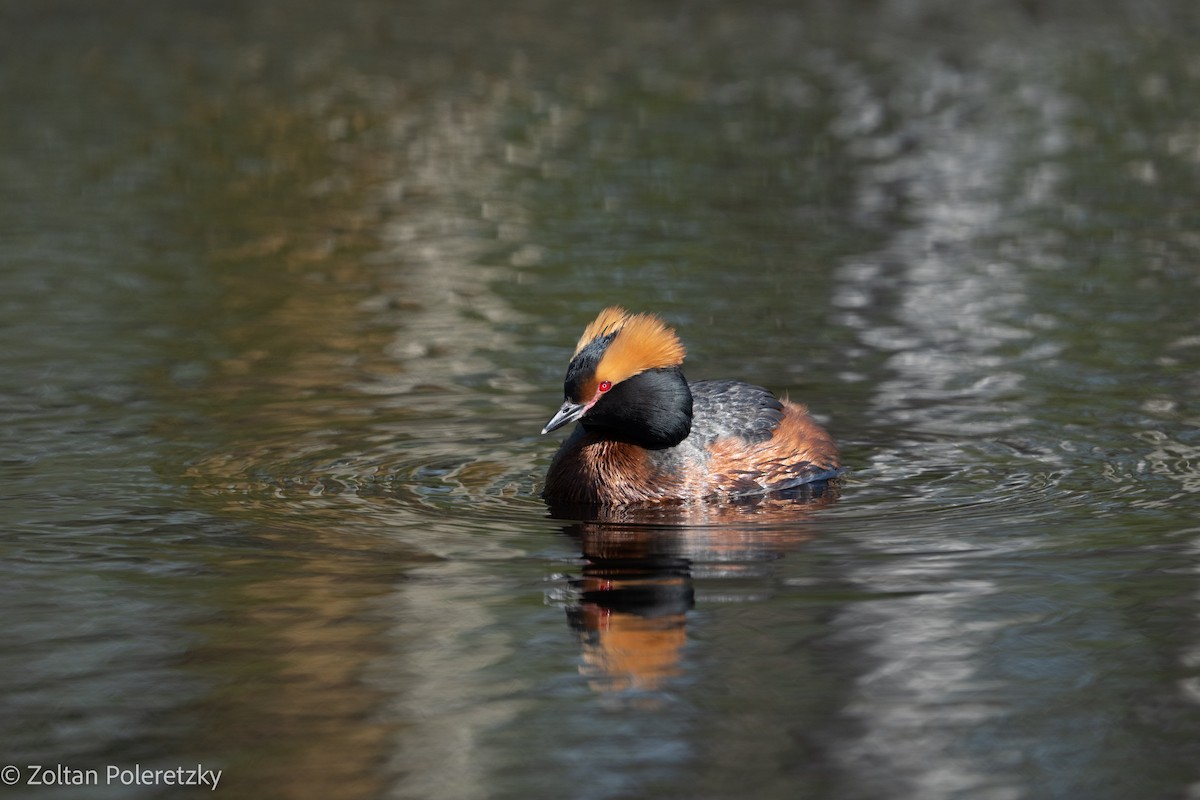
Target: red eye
605, 386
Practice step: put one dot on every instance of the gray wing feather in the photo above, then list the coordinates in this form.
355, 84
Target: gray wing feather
725, 408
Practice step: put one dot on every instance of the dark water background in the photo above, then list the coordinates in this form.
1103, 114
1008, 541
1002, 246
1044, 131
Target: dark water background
287, 291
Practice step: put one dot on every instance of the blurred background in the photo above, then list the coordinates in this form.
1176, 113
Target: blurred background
287, 291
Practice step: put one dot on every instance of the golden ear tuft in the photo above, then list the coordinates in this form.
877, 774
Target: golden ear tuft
643, 342
609, 320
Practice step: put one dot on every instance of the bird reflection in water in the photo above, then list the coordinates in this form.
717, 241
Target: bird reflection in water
630, 603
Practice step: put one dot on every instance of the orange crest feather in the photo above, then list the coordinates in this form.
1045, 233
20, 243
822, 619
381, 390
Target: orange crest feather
643, 342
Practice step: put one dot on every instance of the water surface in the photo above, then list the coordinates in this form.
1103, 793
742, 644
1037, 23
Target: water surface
287, 292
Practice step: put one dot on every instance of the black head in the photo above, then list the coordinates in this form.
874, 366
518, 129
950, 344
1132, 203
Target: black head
624, 381
580, 382
652, 409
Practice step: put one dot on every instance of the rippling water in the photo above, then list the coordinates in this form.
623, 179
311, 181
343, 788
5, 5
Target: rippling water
287, 292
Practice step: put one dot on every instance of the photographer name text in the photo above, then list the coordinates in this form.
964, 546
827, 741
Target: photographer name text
137, 775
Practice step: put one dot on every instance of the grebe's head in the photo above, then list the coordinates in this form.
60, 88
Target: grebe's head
625, 372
